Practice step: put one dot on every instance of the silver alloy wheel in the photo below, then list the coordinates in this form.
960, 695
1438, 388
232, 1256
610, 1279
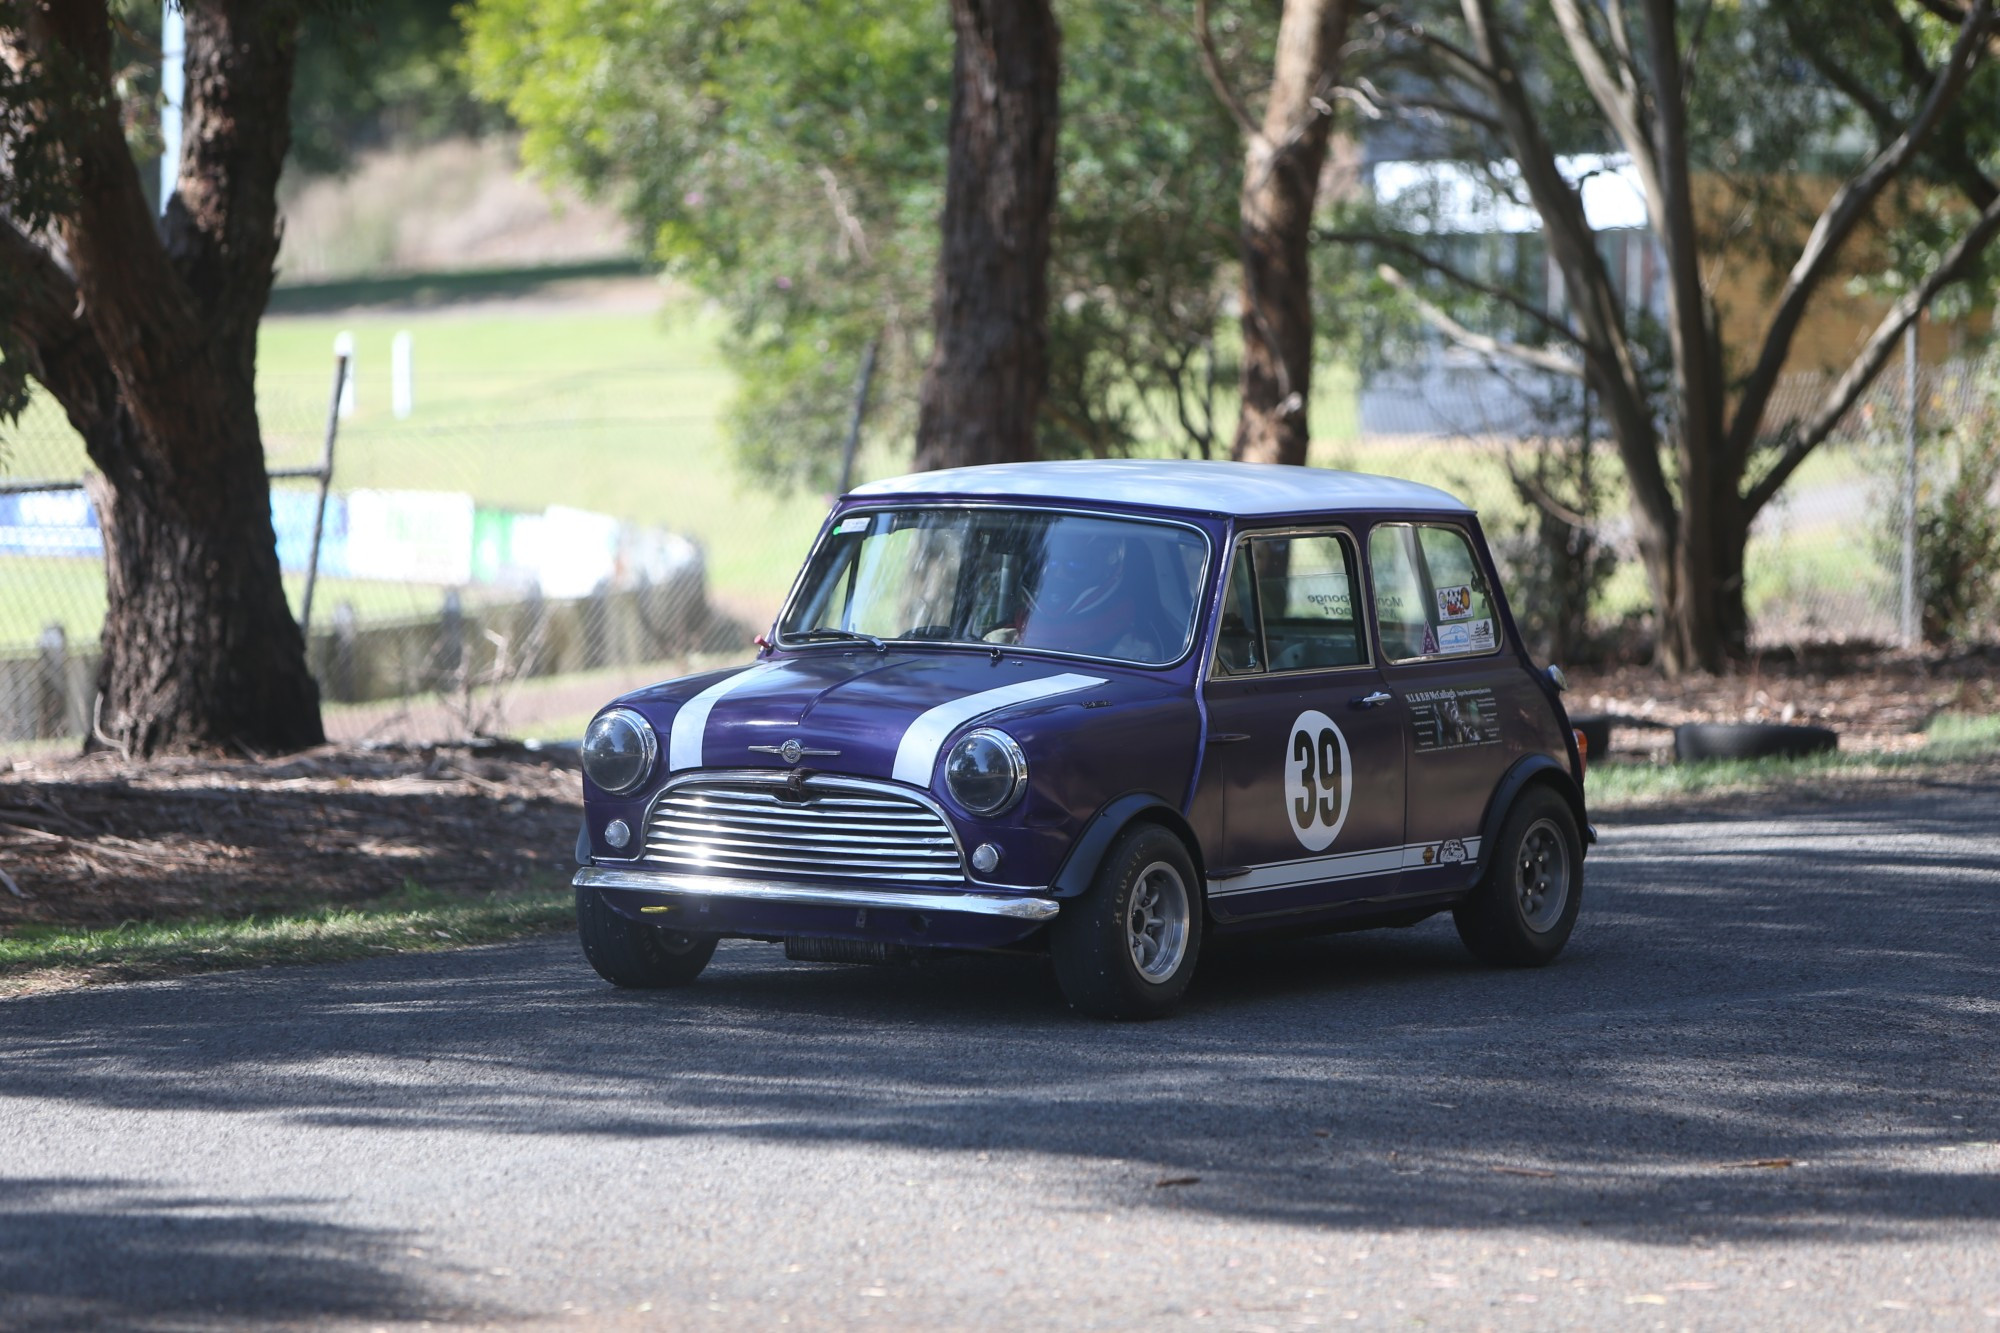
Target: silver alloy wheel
1156, 925
1541, 876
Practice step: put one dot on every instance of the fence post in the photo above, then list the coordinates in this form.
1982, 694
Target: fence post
451, 639
340, 365
52, 687
860, 410
340, 675
1912, 628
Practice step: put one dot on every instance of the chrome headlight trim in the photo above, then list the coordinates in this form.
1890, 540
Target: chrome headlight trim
649, 748
1016, 761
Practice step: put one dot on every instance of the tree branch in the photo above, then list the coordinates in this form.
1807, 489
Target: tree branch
1612, 363
1462, 63
1618, 98
1456, 277
1862, 370
1838, 220
1551, 362
1211, 65
1947, 147
42, 313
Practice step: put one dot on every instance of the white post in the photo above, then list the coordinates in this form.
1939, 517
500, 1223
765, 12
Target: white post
173, 90
343, 347
1911, 626
402, 376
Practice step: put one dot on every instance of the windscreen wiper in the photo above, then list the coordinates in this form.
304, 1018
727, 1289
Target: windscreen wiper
854, 635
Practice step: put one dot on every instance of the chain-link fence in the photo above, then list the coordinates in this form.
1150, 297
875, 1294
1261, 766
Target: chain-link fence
506, 568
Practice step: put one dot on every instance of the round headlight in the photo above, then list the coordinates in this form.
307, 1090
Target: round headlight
986, 772
619, 750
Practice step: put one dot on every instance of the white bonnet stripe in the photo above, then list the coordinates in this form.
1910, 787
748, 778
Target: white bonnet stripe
918, 752
691, 723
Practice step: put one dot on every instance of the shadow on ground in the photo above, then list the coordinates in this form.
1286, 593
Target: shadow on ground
174, 1262
1813, 988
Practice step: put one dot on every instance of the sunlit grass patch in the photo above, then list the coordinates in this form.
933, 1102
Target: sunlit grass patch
414, 920
1951, 738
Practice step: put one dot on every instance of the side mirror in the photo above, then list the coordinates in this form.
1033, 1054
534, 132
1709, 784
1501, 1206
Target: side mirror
1556, 677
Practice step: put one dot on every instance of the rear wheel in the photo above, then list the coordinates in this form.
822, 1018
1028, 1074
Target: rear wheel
1127, 947
639, 957
1525, 906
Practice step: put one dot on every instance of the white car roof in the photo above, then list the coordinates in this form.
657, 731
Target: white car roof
1244, 489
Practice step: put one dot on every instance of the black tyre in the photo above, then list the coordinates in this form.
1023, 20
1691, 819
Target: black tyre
1596, 729
1127, 948
1525, 905
1749, 740
635, 956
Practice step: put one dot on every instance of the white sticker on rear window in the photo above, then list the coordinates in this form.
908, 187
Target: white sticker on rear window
847, 525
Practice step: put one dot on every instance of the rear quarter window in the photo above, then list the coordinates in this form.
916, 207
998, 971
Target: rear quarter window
1432, 599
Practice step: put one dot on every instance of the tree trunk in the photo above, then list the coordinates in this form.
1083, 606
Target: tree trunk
983, 388
1281, 171
148, 339
200, 651
1701, 616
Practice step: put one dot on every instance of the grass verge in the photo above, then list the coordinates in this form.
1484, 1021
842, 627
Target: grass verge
414, 920
1951, 739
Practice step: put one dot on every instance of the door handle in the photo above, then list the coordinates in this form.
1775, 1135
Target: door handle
1227, 738
1375, 700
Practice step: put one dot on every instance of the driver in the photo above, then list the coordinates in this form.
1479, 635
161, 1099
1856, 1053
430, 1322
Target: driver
1087, 601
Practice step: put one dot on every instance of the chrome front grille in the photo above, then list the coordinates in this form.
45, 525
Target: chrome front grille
836, 829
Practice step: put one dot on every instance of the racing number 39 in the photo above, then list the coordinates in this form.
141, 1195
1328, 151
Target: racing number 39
1318, 772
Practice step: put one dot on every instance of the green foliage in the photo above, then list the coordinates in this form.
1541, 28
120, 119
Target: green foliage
370, 71
787, 158
1556, 559
1958, 527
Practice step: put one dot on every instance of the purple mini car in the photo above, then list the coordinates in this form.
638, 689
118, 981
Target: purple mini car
1103, 709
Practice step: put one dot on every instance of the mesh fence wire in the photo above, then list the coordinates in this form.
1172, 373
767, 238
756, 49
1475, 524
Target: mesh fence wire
491, 576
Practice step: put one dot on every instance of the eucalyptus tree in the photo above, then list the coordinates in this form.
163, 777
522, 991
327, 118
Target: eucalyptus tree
1815, 137
1284, 157
144, 329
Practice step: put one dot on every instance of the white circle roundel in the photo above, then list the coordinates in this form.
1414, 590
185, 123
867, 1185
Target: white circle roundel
1318, 774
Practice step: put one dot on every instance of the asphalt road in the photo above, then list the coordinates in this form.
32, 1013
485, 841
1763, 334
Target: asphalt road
1364, 1130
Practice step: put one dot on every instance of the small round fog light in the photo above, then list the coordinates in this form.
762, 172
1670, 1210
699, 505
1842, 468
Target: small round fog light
616, 833
986, 858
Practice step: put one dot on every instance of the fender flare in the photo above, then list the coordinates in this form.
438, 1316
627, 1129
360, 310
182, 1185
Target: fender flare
1079, 868
1532, 769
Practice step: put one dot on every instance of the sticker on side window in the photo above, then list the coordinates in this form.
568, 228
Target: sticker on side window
1453, 719
859, 523
1319, 775
1455, 603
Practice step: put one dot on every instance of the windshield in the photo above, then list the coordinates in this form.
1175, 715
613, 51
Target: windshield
1097, 587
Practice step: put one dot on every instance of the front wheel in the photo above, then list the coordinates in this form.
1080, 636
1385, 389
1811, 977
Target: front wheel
1525, 906
1127, 947
638, 957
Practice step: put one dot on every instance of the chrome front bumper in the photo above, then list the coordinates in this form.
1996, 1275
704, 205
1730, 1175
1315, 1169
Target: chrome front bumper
1017, 907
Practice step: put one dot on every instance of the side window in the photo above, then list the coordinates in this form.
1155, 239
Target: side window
1305, 591
1430, 598
1399, 591
1238, 645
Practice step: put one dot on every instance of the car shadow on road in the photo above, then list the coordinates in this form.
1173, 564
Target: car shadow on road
179, 1261
1775, 1025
